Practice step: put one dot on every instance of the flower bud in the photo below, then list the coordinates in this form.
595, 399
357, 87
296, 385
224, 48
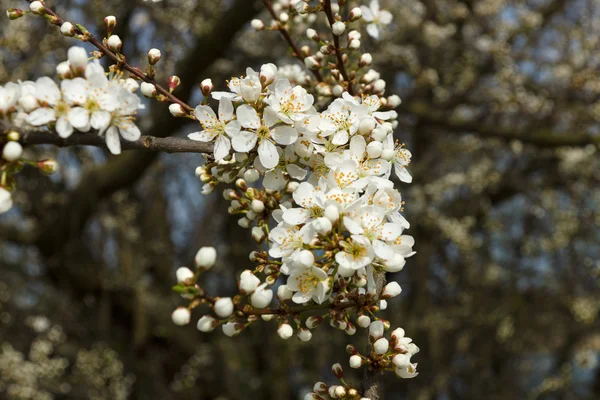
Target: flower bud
355, 361
381, 346
248, 282
374, 149
176, 110
154, 56
258, 234
267, 317
284, 293
244, 222
337, 90
401, 360
320, 388
355, 14
207, 87
285, 331
206, 257
388, 154
354, 35
110, 22
148, 89
257, 24
398, 334
181, 316
332, 213
394, 101
312, 34
322, 226
311, 63
354, 44
37, 7
257, 206
363, 321
340, 392
114, 43
379, 85
231, 329
261, 297
268, 73
67, 29
251, 175
184, 274
390, 290
12, 151
305, 258
304, 334
174, 81
376, 330
365, 60
284, 17
350, 329
223, 307
337, 370
338, 28
383, 306
78, 59
206, 323
14, 13
313, 321
366, 126
48, 166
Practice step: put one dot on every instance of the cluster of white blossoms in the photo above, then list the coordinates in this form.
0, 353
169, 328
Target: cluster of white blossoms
85, 99
312, 158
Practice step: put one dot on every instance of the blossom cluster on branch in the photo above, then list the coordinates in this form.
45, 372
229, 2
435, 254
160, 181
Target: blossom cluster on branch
308, 160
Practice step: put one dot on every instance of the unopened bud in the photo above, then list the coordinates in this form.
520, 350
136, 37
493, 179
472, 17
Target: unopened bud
181, 316
176, 110
148, 89
313, 321
154, 56
48, 166
311, 63
355, 14
14, 13
114, 43
285, 331
206, 257
365, 60
12, 151
312, 34
354, 44
355, 361
394, 101
206, 86
67, 29
174, 81
37, 7
337, 370
110, 22
338, 28
184, 274
257, 24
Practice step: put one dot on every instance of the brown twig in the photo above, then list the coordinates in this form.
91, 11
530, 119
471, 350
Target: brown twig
150, 143
286, 35
57, 20
336, 42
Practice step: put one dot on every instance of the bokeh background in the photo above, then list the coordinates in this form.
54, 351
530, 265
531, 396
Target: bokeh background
501, 110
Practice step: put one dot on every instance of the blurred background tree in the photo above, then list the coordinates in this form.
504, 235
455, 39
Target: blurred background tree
501, 109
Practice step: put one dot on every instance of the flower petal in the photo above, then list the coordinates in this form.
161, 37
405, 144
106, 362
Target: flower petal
244, 141
112, 140
268, 155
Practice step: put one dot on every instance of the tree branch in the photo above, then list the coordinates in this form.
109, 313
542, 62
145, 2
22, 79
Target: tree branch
149, 143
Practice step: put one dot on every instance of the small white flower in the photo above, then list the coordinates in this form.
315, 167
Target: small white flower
9, 95
358, 253
376, 330
376, 18
309, 283
408, 372
231, 329
284, 293
221, 128
223, 307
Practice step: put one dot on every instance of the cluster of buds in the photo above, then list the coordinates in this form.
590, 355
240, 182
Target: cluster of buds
386, 355
343, 390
